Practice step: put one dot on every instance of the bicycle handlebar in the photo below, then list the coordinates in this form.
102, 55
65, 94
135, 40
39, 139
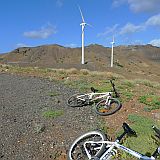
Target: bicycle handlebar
127, 130
157, 131
114, 89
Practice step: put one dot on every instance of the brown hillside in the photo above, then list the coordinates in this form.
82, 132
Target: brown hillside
128, 60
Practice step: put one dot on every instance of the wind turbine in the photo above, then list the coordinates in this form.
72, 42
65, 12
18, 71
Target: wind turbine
83, 24
113, 42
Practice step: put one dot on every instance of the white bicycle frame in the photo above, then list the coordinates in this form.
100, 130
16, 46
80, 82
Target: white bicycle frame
91, 95
112, 146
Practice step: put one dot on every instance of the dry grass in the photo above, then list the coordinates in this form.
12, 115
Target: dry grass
72, 71
147, 83
84, 71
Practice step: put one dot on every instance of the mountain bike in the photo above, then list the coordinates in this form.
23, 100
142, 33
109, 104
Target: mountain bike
95, 145
107, 101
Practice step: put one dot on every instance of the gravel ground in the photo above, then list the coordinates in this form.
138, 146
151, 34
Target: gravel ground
25, 134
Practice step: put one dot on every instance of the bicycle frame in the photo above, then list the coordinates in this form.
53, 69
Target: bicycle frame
91, 96
95, 96
111, 146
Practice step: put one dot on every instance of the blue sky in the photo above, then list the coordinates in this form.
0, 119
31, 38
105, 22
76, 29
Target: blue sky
40, 22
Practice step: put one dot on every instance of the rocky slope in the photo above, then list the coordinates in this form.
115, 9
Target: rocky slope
28, 135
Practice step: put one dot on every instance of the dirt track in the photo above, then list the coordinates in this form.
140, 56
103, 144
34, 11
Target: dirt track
25, 134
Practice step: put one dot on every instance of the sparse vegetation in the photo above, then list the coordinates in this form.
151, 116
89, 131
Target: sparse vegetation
61, 71
127, 96
85, 71
53, 94
52, 113
152, 101
118, 64
102, 125
72, 71
147, 83
128, 83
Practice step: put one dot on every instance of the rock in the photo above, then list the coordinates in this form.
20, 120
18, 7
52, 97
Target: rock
39, 128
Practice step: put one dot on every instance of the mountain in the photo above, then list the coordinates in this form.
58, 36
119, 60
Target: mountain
140, 59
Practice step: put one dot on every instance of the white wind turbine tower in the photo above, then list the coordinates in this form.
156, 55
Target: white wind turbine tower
113, 42
83, 24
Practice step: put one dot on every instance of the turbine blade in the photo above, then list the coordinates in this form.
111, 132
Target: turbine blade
113, 40
81, 14
89, 25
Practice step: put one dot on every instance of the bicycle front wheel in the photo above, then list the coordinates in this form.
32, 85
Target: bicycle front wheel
74, 101
77, 150
104, 109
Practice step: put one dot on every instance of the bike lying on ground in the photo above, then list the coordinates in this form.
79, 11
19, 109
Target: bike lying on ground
95, 145
107, 104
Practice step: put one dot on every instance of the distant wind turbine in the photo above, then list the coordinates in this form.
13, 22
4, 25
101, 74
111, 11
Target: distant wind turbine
83, 24
113, 42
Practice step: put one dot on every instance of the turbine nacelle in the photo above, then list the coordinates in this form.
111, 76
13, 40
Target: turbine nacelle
83, 24
112, 43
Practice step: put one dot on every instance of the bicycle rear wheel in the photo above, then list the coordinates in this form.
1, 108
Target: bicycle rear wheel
74, 101
77, 150
105, 110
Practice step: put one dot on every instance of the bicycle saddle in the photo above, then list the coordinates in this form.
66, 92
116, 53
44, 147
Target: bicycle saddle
94, 90
128, 130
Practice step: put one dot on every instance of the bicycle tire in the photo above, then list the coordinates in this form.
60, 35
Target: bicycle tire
104, 110
83, 138
74, 102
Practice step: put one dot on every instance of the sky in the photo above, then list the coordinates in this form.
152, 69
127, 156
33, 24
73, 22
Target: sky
30, 23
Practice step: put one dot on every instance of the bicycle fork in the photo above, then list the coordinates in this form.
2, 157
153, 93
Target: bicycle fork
108, 101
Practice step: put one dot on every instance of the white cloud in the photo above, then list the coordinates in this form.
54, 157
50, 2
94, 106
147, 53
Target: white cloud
130, 28
138, 6
22, 45
155, 42
108, 30
117, 3
144, 5
43, 33
154, 20
59, 3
